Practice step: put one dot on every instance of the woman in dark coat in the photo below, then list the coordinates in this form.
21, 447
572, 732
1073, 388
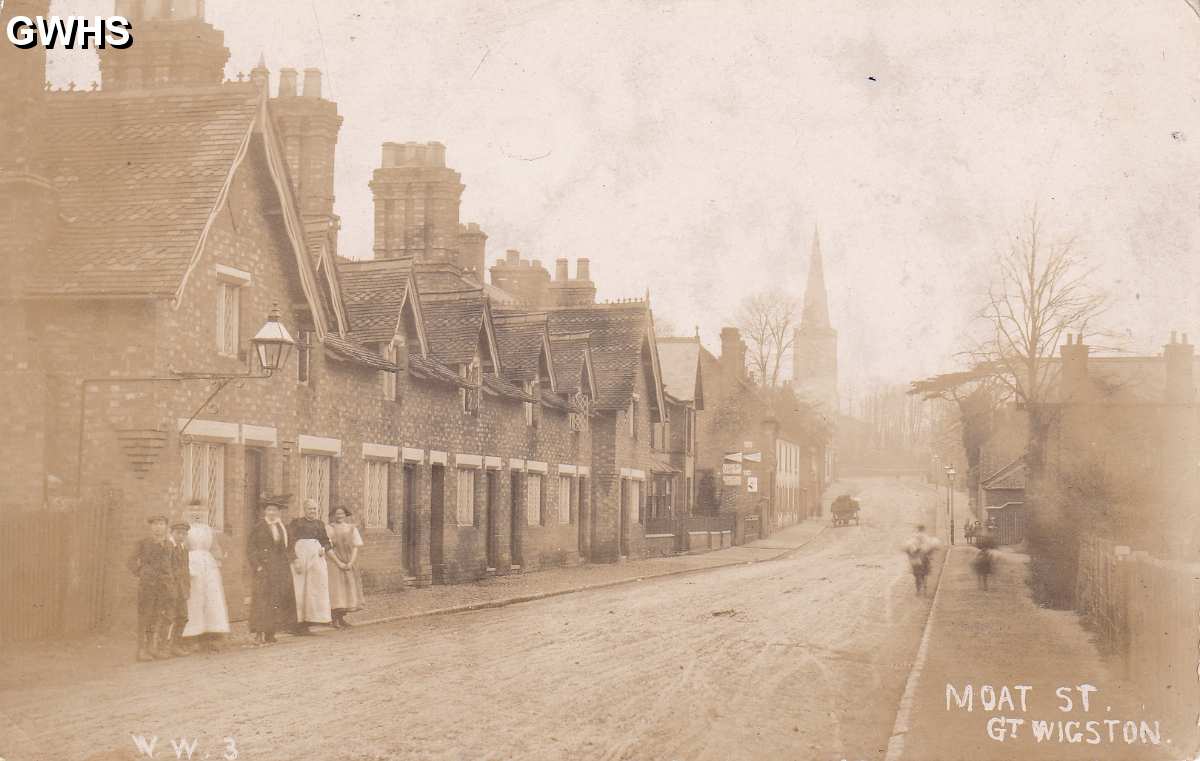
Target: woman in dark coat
273, 603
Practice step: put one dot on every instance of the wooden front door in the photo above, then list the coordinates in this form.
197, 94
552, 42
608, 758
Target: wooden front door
516, 518
235, 540
492, 531
409, 519
437, 521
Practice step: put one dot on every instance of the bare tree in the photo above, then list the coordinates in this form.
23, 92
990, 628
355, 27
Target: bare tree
767, 320
1042, 291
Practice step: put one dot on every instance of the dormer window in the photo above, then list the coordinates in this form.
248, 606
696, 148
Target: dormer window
472, 373
533, 388
230, 283
633, 417
387, 378
578, 417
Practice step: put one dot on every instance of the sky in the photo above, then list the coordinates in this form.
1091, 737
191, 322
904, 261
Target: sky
692, 148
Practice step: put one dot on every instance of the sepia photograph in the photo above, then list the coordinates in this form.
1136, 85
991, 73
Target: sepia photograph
599, 380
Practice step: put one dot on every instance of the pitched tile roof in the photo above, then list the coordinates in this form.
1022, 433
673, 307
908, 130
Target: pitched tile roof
617, 335
349, 350
520, 337
431, 369
453, 322
679, 359
374, 291
137, 175
569, 352
502, 387
1011, 476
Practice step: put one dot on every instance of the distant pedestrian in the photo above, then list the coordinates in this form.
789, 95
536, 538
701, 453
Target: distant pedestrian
273, 599
180, 585
345, 583
919, 547
984, 561
150, 563
310, 573
208, 615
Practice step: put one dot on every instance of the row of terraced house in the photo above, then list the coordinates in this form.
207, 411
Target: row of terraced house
474, 425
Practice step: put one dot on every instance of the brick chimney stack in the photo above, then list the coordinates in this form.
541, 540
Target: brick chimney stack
527, 280
416, 204
1074, 385
472, 243
1179, 358
733, 354
308, 130
173, 46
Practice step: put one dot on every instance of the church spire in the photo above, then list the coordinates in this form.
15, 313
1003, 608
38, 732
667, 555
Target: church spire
816, 302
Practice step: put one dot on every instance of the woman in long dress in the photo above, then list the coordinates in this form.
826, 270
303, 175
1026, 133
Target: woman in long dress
345, 584
208, 616
310, 574
273, 602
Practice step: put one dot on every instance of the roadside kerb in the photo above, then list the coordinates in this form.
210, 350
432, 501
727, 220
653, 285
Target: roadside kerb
904, 713
588, 587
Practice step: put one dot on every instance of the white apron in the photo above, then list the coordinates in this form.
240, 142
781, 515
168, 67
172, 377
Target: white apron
206, 601
311, 584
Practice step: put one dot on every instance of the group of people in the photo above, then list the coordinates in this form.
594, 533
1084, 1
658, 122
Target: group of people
920, 547
303, 573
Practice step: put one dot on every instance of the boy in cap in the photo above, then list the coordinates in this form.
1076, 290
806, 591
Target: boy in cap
180, 584
150, 562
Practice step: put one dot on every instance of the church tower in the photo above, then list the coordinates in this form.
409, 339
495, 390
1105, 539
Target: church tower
814, 351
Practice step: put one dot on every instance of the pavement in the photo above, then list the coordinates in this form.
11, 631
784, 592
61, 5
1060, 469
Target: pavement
804, 656
996, 640
51, 661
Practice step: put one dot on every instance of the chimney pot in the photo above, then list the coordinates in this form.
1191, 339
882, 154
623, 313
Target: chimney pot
287, 83
1174, 337
560, 269
312, 83
512, 256
1185, 341
437, 154
583, 269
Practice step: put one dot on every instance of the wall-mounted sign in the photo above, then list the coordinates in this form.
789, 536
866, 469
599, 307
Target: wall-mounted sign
753, 456
731, 469
732, 480
752, 484
733, 457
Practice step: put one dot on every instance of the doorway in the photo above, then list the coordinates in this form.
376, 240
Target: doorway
623, 519
516, 520
408, 518
492, 534
437, 521
583, 518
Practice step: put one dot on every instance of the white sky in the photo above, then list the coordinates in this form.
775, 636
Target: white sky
692, 146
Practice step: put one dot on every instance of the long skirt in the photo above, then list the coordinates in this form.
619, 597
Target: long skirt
206, 602
311, 583
345, 587
273, 605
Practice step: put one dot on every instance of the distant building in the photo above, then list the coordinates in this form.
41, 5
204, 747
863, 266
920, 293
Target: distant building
815, 348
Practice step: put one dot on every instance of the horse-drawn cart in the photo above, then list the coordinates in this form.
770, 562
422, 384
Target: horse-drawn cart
844, 510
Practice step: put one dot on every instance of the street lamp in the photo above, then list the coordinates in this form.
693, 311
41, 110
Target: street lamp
950, 474
272, 343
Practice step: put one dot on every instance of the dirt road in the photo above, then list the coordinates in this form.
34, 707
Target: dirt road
799, 658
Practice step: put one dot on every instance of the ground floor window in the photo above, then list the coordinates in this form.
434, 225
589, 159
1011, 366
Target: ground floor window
375, 494
315, 482
204, 479
564, 499
466, 497
533, 499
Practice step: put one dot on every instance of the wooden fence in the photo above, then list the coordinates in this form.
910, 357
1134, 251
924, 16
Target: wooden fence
52, 566
1147, 611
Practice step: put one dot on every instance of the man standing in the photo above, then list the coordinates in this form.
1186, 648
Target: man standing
150, 563
180, 585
